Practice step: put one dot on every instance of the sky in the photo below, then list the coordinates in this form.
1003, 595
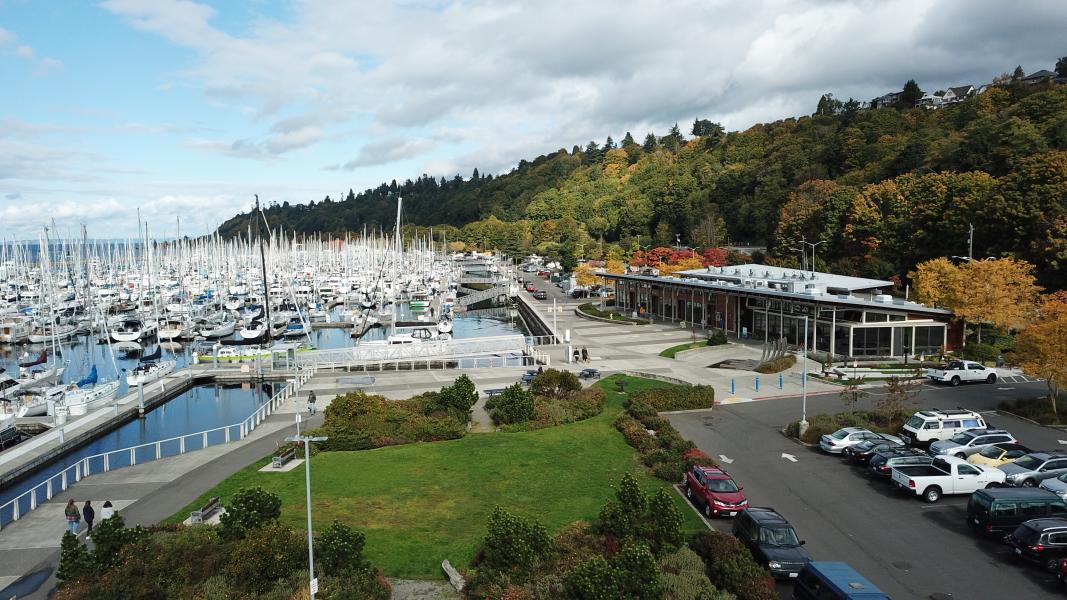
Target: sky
181, 110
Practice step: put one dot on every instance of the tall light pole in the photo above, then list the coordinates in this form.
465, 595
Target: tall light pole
804, 382
813, 252
313, 582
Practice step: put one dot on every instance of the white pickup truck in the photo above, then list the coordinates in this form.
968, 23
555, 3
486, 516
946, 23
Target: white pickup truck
959, 371
946, 475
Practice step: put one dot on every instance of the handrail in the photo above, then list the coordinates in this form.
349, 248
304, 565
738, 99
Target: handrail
83, 467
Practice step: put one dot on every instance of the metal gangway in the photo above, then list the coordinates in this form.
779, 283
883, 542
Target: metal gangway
422, 354
489, 294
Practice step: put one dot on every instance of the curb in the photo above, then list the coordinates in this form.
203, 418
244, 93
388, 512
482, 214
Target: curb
686, 411
1056, 427
796, 441
582, 315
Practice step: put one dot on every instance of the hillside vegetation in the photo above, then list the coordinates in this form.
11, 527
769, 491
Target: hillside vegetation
886, 188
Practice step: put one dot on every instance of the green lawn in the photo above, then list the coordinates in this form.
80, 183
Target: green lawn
670, 352
422, 503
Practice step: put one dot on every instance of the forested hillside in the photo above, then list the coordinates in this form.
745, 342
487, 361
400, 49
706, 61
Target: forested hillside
885, 188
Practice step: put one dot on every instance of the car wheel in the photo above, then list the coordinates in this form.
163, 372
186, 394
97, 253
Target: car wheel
688, 492
992, 485
991, 379
1029, 483
707, 509
961, 455
932, 494
1052, 565
955, 381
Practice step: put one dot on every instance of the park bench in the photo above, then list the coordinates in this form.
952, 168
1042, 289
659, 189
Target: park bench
589, 374
283, 459
528, 378
494, 392
211, 507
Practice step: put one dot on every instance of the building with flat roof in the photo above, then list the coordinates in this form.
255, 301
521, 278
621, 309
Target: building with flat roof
845, 316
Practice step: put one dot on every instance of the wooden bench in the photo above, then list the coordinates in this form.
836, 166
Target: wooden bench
527, 379
211, 507
494, 392
283, 459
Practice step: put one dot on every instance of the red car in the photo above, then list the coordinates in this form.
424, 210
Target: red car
530, 287
713, 488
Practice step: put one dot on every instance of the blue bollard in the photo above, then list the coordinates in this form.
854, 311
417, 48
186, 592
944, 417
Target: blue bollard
733, 387
781, 381
757, 383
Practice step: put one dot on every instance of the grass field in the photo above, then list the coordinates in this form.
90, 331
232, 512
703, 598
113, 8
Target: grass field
670, 352
422, 503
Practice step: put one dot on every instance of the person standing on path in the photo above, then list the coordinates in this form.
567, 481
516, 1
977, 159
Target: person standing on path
73, 516
311, 403
107, 512
89, 514
585, 355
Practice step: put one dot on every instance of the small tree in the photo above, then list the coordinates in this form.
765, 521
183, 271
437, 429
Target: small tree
910, 94
664, 524
249, 509
899, 395
1061, 66
556, 384
514, 405
74, 560
1042, 348
623, 518
110, 536
1018, 73
458, 397
514, 543
852, 394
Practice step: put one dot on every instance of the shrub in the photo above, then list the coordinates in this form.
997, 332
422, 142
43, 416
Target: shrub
458, 398
591, 580
266, 556
633, 516
514, 405
979, 352
777, 365
730, 566
631, 574
683, 577
677, 397
822, 424
361, 421
111, 535
513, 543
74, 560
340, 548
556, 384
249, 510
634, 433
663, 529
716, 337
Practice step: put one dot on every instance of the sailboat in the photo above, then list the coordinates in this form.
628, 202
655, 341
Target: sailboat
87, 394
150, 368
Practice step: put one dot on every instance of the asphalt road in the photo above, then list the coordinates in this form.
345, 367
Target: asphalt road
907, 547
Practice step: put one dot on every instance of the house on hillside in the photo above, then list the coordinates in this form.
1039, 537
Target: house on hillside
945, 97
1042, 76
887, 100
931, 101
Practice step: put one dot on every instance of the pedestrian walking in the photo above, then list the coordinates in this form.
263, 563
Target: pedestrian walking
577, 355
107, 511
585, 355
73, 516
311, 403
89, 514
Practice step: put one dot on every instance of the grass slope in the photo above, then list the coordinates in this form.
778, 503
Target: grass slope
670, 352
422, 503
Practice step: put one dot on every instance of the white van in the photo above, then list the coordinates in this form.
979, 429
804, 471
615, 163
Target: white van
927, 426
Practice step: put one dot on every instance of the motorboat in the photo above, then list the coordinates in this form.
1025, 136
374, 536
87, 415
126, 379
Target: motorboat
42, 333
150, 369
15, 329
176, 328
254, 330
217, 327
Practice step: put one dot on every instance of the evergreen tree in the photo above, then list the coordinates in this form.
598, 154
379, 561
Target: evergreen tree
650, 142
628, 140
609, 144
828, 106
591, 154
910, 94
74, 560
673, 140
1018, 73
1061, 67
475, 176
703, 127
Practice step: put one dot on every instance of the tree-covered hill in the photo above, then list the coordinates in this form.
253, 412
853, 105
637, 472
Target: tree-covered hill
885, 188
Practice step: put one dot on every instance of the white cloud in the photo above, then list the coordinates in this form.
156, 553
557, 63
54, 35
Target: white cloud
42, 64
385, 151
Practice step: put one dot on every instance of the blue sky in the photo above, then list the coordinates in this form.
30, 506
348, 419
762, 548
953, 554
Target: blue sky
186, 108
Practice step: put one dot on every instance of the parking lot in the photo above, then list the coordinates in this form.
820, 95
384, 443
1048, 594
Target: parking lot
907, 547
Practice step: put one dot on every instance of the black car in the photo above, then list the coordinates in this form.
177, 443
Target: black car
540, 295
1041, 541
772, 541
881, 463
863, 451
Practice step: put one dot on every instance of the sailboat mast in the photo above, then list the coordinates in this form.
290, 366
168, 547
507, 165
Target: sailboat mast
263, 265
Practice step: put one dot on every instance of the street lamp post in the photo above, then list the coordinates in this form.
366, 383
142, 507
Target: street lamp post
804, 383
313, 583
813, 252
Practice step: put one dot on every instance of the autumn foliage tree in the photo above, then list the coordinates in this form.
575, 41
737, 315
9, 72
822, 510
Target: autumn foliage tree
1042, 348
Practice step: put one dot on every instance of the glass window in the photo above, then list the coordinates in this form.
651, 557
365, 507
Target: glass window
1004, 509
967, 470
952, 425
1057, 538
931, 425
1031, 510
1057, 509
973, 424
875, 317
854, 316
1056, 465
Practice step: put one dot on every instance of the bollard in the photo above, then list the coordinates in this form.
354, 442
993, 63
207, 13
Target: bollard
781, 381
757, 383
733, 387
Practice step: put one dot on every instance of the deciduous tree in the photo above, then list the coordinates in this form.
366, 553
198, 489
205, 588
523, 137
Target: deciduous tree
1041, 349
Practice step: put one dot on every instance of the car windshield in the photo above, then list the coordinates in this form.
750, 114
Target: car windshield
915, 422
840, 434
962, 438
991, 452
779, 536
722, 485
1029, 462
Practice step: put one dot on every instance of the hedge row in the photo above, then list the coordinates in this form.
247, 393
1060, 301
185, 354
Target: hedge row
549, 412
730, 567
820, 425
679, 397
777, 365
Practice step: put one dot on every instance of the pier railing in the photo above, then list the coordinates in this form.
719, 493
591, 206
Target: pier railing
58, 482
364, 355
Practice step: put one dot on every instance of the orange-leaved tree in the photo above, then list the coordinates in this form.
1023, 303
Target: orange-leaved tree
685, 264
585, 276
1001, 292
1041, 348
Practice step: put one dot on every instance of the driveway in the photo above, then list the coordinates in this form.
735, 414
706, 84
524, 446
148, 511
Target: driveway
907, 547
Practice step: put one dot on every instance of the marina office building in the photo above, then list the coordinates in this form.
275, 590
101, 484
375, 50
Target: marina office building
846, 316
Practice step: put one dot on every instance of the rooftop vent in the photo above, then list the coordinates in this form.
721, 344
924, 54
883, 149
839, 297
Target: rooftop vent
884, 298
